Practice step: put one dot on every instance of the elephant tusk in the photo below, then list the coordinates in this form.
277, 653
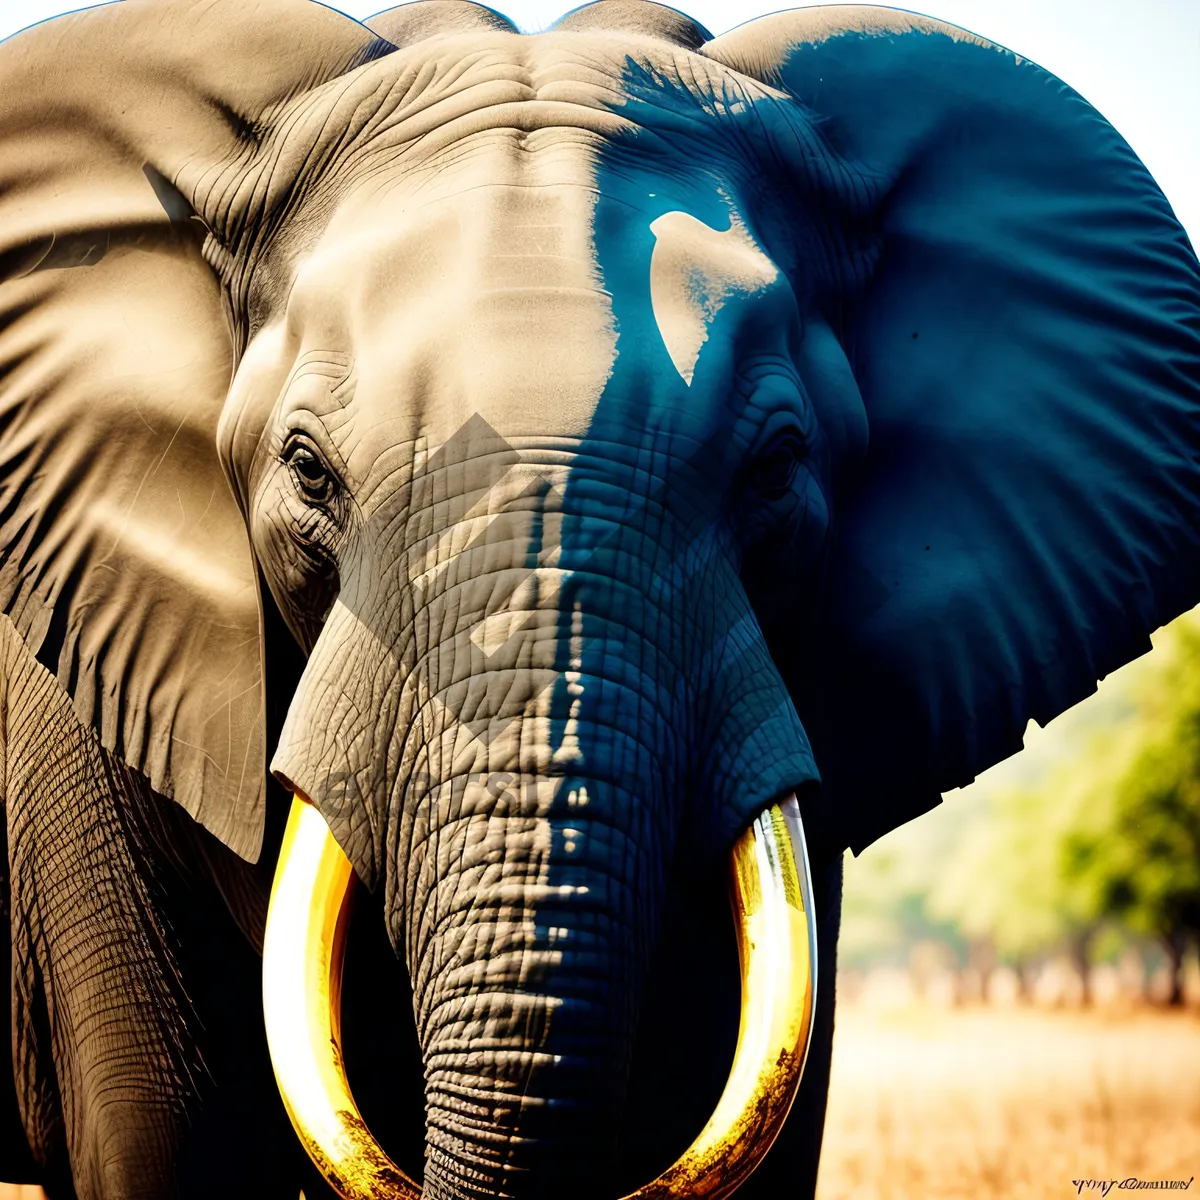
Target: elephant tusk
303, 949
302, 965
771, 894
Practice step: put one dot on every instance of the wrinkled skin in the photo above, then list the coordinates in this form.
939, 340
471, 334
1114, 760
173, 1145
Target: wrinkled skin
545, 461
134, 963
133, 1065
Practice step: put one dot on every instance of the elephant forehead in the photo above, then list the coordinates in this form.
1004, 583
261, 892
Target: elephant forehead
430, 95
496, 301
421, 112
481, 206
489, 301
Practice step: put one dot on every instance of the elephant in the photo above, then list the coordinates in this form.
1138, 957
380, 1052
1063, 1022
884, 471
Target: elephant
536, 459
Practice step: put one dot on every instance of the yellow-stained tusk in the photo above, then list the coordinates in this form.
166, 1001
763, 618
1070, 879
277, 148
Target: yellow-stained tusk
303, 948
771, 893
302, 963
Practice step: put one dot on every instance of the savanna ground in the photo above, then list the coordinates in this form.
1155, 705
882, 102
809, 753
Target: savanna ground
936, 1103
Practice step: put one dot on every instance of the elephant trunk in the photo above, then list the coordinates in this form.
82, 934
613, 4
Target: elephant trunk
523, 886
526, 969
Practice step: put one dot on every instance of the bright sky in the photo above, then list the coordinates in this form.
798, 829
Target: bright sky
1139, 64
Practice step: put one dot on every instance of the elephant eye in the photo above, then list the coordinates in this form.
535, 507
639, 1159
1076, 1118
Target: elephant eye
314, 479
775, 471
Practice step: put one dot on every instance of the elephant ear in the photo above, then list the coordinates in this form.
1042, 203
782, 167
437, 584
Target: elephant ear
124, 560
1027, 347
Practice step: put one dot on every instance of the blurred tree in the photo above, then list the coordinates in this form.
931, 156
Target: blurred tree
1135, 856
1005, 883
885, 908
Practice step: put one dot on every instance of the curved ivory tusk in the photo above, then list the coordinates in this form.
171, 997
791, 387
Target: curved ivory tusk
302, 966
303, 948
771, 894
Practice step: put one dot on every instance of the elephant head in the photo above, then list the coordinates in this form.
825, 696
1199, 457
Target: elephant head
623, 422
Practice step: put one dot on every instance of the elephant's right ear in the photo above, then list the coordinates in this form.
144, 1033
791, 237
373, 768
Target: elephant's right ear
124, 561
1023, 326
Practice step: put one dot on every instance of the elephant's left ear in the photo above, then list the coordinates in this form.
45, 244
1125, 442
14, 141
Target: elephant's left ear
128, 135
1028, 351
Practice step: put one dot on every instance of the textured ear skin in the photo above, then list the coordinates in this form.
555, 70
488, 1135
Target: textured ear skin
1028, 351
124, 561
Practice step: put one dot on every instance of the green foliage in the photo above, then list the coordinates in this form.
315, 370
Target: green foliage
1138, 858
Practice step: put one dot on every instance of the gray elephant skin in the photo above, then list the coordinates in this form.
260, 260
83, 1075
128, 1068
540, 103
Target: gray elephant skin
541, 454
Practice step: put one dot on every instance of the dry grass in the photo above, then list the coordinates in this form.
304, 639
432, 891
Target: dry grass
940, 1103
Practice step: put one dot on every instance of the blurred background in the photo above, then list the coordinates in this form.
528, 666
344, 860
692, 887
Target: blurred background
1019, 989
1019, 992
